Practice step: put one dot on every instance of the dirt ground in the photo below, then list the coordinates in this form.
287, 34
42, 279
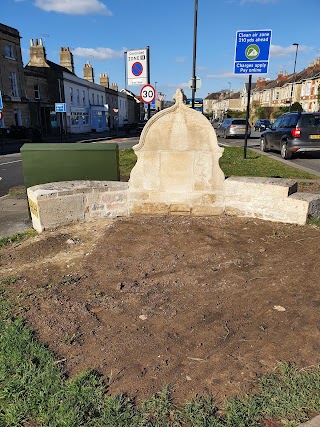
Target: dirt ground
201, 304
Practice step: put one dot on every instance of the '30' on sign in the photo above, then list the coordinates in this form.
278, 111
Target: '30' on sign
147, 94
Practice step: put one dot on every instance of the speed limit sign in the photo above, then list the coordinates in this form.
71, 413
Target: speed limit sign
148, 94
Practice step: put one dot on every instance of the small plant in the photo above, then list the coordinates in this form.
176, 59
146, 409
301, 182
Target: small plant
314, 221
17, 238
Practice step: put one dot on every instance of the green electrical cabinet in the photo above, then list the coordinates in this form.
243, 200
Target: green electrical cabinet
47, 162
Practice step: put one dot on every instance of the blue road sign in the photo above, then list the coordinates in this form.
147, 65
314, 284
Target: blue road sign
252, 51
1, 104
60, 107
152, 105
137, 69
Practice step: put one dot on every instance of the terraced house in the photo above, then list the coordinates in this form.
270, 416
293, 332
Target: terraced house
12, 82
302, 87
30, 93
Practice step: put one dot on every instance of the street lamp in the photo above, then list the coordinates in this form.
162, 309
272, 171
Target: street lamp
294, 73
195, 27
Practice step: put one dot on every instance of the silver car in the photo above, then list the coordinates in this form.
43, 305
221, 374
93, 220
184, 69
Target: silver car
233, 127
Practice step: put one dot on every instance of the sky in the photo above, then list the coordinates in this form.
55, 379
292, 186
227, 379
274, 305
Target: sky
100, 31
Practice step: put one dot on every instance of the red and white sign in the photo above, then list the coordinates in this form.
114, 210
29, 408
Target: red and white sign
137, 66
147, 94
1, 115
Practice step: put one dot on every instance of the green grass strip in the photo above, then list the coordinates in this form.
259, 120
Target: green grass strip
233, 163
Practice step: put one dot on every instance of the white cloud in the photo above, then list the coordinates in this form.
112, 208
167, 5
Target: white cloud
226, 75
99, 54
181, 85
181, 59
73, 7
280, 51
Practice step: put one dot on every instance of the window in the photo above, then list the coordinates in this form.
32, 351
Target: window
71, 95
276, 94
92, 97
78, 97
36, 90
83, 98
308, 86
8, 51
101, 99
13, 84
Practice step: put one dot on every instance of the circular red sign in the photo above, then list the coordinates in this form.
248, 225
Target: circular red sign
147, 94
1, 115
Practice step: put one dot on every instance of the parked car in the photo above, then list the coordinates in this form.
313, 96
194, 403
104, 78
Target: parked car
262, 124
233, 127
291, 133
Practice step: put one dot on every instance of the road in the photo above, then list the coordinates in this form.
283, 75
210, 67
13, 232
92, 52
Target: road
11, 165
310, 162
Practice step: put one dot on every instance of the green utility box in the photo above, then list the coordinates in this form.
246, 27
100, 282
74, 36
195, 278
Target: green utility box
47, 162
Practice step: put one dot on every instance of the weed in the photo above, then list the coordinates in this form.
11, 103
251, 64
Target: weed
314, 221
9, 281
17, 238
19, 190
68, 280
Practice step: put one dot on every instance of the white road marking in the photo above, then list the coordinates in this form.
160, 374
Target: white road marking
8, 163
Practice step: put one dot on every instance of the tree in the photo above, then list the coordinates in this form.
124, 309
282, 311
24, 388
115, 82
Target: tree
296, 106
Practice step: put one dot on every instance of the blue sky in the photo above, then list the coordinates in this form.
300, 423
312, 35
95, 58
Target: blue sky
99, 31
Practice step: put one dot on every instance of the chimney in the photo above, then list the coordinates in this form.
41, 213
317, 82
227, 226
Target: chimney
114, 86
104, 80
66, 59
88, 72
261, 82
38, 57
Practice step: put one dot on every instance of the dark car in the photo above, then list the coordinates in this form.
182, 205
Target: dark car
233, 127
262, 124
293, 133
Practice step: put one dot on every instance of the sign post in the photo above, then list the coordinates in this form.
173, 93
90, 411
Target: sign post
251, 57
60, 107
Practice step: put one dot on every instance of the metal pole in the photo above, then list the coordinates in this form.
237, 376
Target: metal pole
195, 25
125, 70
247, 118
294, 73
148, 78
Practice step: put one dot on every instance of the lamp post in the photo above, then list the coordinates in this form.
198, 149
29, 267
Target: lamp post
294, 73
195, 25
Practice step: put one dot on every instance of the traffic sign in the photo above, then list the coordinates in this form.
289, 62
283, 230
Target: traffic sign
60, 107
137, 69
252, 51
1, 115
147, 94
198, 83
137, 66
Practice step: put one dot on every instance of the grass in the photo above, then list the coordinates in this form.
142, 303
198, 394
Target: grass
16, 238
233, 163
35, 392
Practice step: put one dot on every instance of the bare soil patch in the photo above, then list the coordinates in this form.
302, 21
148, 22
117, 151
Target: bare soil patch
201, 304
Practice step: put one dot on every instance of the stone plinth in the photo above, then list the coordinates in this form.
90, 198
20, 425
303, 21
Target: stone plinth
60, 203
177, 169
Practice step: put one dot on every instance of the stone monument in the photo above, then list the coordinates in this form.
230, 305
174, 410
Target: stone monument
177, 170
